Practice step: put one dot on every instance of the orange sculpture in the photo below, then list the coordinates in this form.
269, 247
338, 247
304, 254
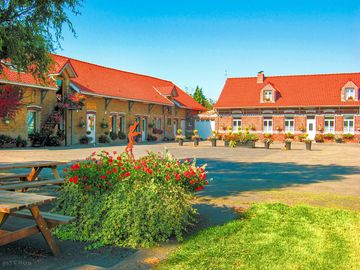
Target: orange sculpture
131, 135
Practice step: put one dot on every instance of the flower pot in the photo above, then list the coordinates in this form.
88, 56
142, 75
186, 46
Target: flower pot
288, 145
308, 145
213, 143
266, 145
196, 142
181, 142
226, 143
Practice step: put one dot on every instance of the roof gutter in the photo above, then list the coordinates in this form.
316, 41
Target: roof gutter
29, 85
125, 99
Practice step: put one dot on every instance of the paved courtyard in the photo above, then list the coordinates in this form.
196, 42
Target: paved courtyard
326, 176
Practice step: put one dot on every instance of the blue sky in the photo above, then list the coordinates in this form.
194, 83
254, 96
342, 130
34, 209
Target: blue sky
199, 42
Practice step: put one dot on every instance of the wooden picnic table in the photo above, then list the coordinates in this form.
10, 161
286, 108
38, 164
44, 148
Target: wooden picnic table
12, 202
35, 168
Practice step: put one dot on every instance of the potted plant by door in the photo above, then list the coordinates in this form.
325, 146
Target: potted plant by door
288, 144
213, 138
196, 137
179, 137
267, 140
36, 139
226, 139
308, 144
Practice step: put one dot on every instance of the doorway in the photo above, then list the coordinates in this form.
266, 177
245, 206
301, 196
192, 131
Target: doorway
310, 127
176, 127
143, 129
91, 126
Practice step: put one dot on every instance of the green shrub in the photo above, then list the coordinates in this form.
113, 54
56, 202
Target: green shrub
319, 138
329, 136
121, 135
117, 201
52, 140
113, 136
348, 136
5, 139
20, 142
84, 140
104, 139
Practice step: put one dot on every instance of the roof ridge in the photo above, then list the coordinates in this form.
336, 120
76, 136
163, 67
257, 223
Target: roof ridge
112, 68
297, 75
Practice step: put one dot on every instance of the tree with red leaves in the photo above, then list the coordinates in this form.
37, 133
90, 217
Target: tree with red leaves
10, 101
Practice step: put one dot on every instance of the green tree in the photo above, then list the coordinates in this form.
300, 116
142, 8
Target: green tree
30, 29
200, 97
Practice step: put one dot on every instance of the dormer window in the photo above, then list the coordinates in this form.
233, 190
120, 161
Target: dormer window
268, 95
349, 94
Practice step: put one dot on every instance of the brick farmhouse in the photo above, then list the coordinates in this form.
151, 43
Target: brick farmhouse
318, 106
113, 100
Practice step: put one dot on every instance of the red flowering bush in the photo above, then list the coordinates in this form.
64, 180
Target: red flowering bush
118, 201
99, 172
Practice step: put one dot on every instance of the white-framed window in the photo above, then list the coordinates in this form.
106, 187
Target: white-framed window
32, 120
289, 124
122, 123
137, 119
113, 123
268, 125
349, 124
159, 123
329, 124
236, 124
349, 93
268, 95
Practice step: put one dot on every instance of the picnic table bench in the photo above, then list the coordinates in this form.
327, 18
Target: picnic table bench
25, 185
25, 205
35, 169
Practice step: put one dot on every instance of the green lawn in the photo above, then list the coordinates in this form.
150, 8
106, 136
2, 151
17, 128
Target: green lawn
275, 236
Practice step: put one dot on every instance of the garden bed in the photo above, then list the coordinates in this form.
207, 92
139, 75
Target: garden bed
129, 203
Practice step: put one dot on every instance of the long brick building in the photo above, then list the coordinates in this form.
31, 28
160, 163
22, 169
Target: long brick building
113, 100
300, 104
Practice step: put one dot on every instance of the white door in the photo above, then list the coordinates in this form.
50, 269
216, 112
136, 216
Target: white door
91, 126
143, 129
310, 128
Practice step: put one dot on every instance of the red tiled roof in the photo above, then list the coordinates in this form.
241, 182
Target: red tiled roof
23, 78
294, 90
103, 81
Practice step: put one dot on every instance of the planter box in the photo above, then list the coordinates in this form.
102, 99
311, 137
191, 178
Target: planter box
226, 143
308, 145
213, 143
196, 142
181, 142
288, 145
249, 144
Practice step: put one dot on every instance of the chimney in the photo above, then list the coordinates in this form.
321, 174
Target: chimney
260, 77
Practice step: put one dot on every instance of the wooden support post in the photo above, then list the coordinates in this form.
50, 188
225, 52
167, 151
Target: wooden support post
107, 102
43, 94
55, 172
9, 237
42, 225
130, 105
3, 217
150, 107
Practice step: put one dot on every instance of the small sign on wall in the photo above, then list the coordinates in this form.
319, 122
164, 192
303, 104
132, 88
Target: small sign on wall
90, 105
